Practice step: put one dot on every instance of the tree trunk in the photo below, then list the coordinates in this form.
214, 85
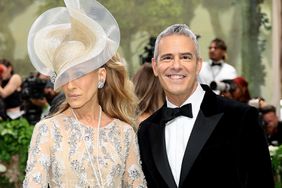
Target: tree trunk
252, 67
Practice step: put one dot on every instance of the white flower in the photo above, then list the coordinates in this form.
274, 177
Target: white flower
2, 168
272, 150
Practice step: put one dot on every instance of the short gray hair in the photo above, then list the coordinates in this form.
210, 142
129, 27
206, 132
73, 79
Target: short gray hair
176, 29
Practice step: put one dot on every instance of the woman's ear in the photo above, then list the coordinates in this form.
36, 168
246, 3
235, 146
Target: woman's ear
102, 74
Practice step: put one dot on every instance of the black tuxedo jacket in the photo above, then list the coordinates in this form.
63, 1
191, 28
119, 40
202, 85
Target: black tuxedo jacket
226, 149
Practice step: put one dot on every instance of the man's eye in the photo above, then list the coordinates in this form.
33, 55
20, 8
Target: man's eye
187, 57
166, 58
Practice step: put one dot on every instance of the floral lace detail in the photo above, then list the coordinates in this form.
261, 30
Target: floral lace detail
134, 172
58, 155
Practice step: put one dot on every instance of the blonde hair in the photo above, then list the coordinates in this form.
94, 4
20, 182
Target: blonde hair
117, 97
148, 89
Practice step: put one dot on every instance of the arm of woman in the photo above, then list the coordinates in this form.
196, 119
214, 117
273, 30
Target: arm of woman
13, 84
38, 163
133, 176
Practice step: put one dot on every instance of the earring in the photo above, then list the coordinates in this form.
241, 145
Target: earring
101, 84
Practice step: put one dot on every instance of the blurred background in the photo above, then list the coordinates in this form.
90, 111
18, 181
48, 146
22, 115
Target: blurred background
249, 28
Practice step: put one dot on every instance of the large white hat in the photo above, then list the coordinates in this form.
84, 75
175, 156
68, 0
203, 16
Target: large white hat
69, 42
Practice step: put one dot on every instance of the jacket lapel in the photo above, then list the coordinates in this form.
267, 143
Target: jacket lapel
157, 140
204, 125
202, 130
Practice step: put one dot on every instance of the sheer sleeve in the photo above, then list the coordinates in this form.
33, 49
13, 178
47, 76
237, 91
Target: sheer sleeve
133, 176
38, 163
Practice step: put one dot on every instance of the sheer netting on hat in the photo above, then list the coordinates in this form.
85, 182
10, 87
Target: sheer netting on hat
69, 42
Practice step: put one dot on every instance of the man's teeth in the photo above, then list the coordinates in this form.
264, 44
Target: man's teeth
176, 76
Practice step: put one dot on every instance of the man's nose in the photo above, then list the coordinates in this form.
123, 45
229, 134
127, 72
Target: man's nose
176, 62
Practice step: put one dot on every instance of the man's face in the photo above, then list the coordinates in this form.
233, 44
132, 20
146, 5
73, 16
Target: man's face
271, 121
177, 67
215, 53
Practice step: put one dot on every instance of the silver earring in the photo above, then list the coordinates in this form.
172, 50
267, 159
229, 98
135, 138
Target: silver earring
101, 84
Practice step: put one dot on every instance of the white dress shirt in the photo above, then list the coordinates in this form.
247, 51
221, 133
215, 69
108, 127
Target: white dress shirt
211, 73
178, 130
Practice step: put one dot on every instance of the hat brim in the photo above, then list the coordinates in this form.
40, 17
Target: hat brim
56, 26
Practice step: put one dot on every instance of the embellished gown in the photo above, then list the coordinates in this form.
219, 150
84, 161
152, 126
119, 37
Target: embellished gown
58, 155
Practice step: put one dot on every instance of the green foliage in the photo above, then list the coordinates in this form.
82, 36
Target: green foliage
4, 182
50, 4
8, 11
276, 158
15, 137
253, 45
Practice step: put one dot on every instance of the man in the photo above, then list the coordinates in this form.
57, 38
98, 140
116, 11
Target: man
216, 69
273, 127
219, 144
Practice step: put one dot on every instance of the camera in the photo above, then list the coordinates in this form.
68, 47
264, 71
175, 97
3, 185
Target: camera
33, 88
223, 86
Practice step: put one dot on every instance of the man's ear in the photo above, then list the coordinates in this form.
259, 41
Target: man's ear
199, 65
154, 66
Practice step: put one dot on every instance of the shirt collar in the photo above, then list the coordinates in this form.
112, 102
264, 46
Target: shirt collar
195, 99
220, 61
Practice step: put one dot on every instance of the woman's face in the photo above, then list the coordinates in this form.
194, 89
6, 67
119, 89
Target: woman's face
82, 92
6, 74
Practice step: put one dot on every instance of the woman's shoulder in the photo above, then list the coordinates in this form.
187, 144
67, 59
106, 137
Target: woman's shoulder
55, 119
15, 80
16, 77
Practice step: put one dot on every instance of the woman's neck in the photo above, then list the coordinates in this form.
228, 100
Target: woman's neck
88, 113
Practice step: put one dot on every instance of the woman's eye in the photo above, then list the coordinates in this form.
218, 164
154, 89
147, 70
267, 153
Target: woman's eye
79, 74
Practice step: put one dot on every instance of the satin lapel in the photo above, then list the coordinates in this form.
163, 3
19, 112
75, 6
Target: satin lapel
202, 129
157, 136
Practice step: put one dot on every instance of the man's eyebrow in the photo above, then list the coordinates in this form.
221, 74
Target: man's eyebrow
186, 53
167, 54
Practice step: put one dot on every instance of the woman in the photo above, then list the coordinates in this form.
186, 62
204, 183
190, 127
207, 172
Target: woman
10, 90
89, 141
148, 90
241, 92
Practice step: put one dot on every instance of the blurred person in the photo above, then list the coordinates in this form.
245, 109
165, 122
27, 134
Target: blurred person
56, 103
3, 115
224, 88
237, 90
48, 90
257, 102
90, 140
10, 90
148, 90
216, 68
272, 125
241, 92
35, 102
198, 139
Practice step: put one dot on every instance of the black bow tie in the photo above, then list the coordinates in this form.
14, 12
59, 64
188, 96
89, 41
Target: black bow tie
216, 64
171, 113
